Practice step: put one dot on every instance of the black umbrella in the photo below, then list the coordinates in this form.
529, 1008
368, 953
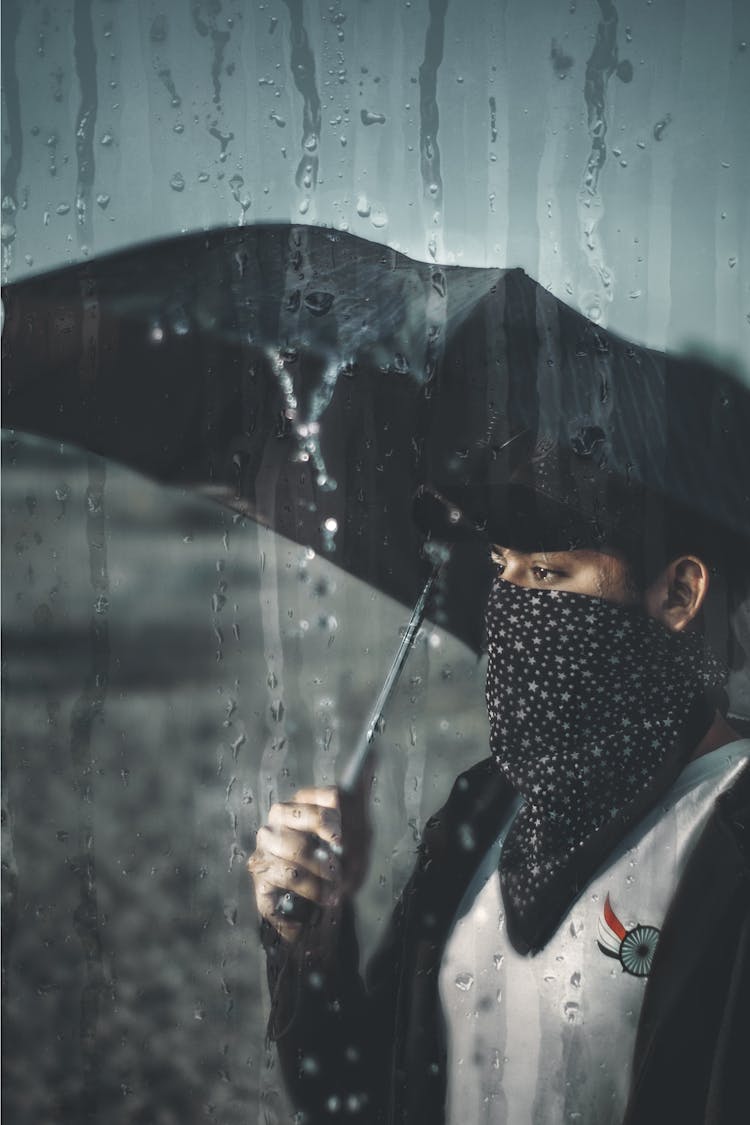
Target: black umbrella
315, 381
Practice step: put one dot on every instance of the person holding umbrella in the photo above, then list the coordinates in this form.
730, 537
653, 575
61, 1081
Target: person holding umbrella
573, 942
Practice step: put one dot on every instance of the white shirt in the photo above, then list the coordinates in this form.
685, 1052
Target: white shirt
549, 1039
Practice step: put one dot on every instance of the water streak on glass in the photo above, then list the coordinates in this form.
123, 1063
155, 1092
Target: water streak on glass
85, 60
302, 65
602, 64
429, 117
86, 712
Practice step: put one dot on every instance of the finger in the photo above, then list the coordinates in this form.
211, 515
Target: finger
277, 876
302, 848
290, 931
324, 822
328, 797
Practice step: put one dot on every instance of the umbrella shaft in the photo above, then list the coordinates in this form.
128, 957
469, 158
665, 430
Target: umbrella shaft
353, 769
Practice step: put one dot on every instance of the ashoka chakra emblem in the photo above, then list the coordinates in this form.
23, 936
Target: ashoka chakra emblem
637, 950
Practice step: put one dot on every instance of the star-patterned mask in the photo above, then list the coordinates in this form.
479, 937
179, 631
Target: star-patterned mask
588, 703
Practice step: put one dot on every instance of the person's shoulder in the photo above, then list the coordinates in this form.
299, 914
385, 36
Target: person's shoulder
715, 772
733, 807
727, 829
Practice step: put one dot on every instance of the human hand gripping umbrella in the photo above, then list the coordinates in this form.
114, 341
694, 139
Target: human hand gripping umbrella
318, 382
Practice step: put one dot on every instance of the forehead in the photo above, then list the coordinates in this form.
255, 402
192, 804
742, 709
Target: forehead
580, 557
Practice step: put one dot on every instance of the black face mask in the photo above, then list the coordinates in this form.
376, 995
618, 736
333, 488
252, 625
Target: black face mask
594, 708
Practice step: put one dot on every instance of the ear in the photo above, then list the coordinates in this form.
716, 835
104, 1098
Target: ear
675, 598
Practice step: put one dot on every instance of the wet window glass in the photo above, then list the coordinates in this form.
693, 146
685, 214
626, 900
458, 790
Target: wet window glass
366, 367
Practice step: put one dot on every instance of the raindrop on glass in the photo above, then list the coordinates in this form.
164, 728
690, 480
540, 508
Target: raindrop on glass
318, 303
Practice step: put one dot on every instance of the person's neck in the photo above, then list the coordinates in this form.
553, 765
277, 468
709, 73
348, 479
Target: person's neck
718, 734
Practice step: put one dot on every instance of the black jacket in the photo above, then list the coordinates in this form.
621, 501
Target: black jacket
375, 1047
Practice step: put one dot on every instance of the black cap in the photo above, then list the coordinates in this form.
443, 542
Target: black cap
555, 499
559, 498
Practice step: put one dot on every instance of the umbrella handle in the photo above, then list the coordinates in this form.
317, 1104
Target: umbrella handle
292, 907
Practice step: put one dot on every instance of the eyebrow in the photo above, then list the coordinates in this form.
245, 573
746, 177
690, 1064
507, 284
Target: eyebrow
550, 557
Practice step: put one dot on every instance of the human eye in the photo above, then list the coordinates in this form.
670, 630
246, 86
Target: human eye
497, 559
546, 575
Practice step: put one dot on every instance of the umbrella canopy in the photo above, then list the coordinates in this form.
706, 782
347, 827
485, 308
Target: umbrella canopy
315, 381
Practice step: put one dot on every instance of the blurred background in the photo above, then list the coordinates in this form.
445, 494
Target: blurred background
170, 669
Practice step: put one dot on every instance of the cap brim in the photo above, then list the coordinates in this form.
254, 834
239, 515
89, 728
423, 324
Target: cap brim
514, 516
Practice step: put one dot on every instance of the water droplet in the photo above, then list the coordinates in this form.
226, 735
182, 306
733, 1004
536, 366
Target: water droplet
103, 200
177, 183
106, 139
363, 207
62, 208
464, 981
158, 31
439, 283
379, 218
575, 980
304, 207
318, 303
660, 126
586, 439
369, 118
